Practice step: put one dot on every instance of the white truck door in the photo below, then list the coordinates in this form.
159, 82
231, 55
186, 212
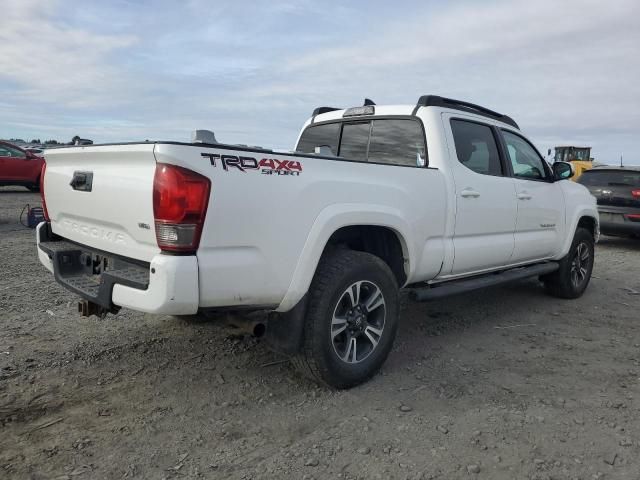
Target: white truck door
484, 197
541, 221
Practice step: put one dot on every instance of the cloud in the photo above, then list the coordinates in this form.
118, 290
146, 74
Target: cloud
54, 63
567, 71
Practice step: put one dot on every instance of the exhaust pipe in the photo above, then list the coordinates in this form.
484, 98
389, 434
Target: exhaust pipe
256, 327
249, 327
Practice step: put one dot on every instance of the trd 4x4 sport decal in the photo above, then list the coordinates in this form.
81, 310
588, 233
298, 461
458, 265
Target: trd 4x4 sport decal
268, 166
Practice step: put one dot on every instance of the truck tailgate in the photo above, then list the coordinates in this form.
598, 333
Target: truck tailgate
109, 206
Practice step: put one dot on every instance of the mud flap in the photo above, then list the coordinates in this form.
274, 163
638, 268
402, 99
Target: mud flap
285, 330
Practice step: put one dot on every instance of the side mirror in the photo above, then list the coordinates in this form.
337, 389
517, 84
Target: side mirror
30, 155
563, 171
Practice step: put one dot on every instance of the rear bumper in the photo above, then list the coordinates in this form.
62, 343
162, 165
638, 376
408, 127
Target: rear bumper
166, 285
612, 228
617, 221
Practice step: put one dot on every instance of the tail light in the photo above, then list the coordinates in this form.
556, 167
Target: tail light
634, 217
180, 199
635, 193
44, 203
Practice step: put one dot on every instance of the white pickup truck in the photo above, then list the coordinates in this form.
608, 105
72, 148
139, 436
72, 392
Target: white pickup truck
440, 197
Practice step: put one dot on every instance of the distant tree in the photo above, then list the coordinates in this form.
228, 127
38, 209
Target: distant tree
51, 142
35, 140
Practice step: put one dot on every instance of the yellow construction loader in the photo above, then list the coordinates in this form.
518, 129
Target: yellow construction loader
580, 158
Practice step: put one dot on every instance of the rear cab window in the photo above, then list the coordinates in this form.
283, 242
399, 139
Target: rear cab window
355, 141
318, 136
392, 141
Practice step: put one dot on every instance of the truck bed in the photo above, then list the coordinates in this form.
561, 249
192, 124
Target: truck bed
268, 218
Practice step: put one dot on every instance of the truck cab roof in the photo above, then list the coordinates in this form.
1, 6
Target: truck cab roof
322, 114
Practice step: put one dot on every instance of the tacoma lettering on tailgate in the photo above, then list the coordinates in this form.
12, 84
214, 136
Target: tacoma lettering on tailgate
93, 232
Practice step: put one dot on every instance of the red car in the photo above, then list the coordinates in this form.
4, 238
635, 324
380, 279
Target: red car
19, 167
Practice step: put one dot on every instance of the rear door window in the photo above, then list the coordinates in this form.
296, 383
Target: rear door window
476, 147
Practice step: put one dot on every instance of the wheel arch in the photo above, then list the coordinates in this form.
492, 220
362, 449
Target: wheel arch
588, 219
381, 241
590, 223
379, 230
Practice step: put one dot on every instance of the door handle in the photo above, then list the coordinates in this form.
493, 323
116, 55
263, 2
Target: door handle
469, 193
524, 196
82, 181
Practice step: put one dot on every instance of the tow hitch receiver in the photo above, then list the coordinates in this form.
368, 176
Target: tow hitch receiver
87, 308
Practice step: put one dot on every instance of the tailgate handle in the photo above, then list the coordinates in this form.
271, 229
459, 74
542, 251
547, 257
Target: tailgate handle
82, 181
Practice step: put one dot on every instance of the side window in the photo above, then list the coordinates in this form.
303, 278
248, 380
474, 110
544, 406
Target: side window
355, 140
11, 152
319, 136
399, 142
524, 159
476, 147
17, 153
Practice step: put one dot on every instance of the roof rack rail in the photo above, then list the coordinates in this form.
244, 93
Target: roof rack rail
320, 110
437, 101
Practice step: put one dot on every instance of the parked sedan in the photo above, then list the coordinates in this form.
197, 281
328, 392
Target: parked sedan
19, 167
617, 190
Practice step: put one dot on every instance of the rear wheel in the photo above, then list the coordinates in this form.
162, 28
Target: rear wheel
351, 319
572, 278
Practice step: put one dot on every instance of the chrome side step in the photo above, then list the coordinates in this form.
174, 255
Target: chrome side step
455, 287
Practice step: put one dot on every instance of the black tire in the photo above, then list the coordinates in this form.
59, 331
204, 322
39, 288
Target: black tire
572, 278
345, 357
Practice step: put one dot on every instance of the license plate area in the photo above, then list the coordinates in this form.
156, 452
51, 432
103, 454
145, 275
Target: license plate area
606, 217
91, 273
82, 262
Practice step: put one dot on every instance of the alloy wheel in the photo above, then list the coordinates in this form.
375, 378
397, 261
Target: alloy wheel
358, 321
580, 264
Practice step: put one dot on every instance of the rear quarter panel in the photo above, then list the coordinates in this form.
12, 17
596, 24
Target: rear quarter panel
264, 233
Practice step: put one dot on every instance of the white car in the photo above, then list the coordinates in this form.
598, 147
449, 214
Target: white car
440, 197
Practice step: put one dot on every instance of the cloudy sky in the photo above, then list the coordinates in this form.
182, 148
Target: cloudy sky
568, 72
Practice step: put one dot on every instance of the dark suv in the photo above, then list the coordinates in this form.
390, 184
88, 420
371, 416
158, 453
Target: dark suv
617, 190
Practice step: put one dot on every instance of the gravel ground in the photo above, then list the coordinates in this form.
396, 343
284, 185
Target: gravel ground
504, 383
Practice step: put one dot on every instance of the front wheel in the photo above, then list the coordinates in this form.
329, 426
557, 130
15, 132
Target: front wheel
572, 278
351, 319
